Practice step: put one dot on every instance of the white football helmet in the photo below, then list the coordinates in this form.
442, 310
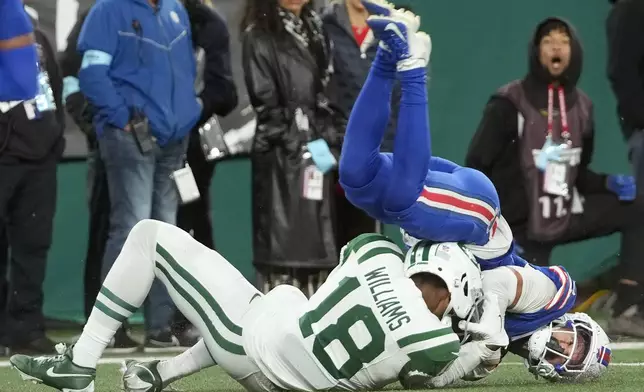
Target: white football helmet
572, 347
456, 266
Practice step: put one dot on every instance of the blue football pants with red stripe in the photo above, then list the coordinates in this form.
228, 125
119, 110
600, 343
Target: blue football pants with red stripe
429, 197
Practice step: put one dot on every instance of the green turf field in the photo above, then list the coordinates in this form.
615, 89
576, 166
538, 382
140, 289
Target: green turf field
626, 373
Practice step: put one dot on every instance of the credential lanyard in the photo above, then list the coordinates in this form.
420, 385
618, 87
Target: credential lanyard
565, 132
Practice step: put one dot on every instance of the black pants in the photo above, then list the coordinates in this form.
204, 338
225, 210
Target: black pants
99, 224
4, 287
603, 215
351, 221
195, 217
27, 207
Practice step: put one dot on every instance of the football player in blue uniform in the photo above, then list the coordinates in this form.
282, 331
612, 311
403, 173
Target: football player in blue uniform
434, 199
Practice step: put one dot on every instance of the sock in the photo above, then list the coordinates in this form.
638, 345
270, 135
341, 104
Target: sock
412, 148
106, 318
186, 363
627, 296
123, 292
368, 124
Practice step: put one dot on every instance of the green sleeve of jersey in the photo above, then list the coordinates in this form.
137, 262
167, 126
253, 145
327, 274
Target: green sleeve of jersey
436, 350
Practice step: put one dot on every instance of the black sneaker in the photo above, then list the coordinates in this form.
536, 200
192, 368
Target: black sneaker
189, 336
122, 343
161, 341
41, 345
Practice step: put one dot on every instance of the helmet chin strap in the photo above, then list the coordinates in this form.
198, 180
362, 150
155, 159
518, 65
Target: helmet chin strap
447, 311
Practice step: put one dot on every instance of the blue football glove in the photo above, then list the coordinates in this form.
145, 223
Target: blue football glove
622, 185
378, 7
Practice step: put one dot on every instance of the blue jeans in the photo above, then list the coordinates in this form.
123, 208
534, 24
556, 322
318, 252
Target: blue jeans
140, 187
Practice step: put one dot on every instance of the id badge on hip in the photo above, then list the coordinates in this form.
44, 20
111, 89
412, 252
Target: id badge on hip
313, 183
186, 185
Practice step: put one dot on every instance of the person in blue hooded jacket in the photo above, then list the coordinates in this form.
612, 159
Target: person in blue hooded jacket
138, 67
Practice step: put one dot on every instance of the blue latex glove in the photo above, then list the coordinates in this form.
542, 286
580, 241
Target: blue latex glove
622, 185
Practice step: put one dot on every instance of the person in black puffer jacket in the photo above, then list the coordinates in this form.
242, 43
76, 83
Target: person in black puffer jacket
287, 65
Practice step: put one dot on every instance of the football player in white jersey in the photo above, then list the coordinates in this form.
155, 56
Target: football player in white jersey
376, 320
573, 346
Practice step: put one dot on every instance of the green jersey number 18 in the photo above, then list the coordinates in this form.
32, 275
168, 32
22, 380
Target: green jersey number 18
340, 332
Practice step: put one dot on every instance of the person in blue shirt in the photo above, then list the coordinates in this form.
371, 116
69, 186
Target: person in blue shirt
138, 67
18, 57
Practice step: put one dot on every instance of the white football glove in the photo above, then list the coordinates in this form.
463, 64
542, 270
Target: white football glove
544, 370
470, 357
489, 329
485, 368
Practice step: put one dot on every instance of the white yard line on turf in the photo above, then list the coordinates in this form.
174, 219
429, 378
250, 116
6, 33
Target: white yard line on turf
108, 361
627, 345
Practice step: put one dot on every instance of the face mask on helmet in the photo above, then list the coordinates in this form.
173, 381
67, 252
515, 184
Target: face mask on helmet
473, 317
569, 348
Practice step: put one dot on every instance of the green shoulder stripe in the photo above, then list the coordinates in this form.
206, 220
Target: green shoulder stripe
377, 252
360, 241
364, 239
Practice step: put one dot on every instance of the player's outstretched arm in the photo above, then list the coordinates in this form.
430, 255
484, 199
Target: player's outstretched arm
361, 161
490, 337
470, 357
